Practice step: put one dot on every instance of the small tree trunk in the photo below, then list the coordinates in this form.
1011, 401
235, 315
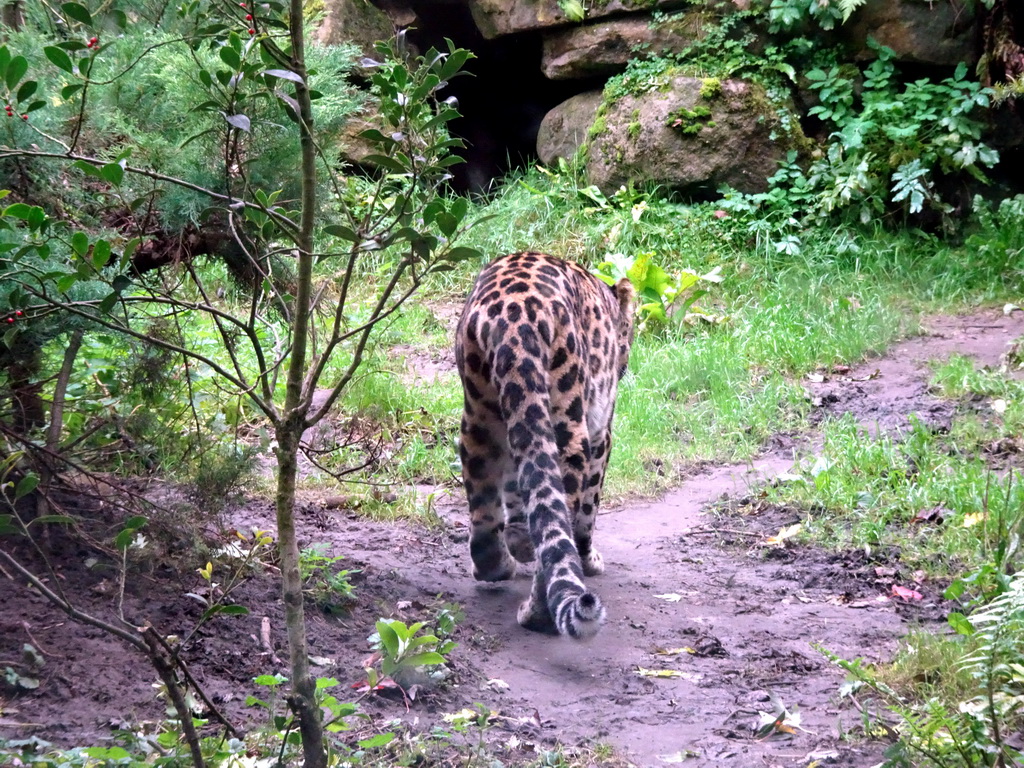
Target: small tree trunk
290, 424
11, 15
303, 699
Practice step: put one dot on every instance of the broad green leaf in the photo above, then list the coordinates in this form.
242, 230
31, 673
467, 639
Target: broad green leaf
18, 211
26, 485
106, 753
124, 539
15, 71
59, 59
47, 519
77, 12
100, 254
112, 173
70, 90
230, 57
108, 302
270, 681
425, 659
26, 90
376, 741
388, 638
960, 623
80, 243
87, 168
340, 230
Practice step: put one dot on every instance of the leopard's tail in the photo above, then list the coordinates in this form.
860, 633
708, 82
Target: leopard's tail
559, 596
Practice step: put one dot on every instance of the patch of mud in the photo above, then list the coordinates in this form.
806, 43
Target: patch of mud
742, 619
883, 393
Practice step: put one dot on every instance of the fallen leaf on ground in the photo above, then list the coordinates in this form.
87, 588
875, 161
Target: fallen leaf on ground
973, 519
906, 593
817, 378
671, 597
673, 651
660, 672
784, 533
496, 685
678, 757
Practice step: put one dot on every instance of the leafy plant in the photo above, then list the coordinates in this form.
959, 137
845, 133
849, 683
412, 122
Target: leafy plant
662, 295
891, 147
408, 657
330, 589
975, 732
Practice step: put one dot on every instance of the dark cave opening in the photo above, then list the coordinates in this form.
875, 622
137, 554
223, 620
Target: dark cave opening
502, 101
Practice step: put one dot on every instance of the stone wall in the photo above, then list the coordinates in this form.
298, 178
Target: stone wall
672, 134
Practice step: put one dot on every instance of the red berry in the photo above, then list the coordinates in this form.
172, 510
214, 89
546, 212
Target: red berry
19, 313
252, 31
248, 17
24, 117
241, 5
10, 319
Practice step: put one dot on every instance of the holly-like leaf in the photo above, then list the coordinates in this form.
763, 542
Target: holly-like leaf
77, 12
59, 59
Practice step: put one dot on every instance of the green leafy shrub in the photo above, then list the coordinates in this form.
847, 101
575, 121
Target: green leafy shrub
330, 589
661, 295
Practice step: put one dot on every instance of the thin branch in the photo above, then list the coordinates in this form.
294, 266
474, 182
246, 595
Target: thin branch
62, 603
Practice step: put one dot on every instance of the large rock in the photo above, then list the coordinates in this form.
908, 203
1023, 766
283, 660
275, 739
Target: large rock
504, 17
724, 133
564, 129
361, 23
941, 33
603, 48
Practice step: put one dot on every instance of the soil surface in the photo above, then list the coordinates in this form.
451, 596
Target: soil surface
689, 592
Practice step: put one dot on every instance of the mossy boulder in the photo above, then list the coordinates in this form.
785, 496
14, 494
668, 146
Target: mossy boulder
692, 134
564, 129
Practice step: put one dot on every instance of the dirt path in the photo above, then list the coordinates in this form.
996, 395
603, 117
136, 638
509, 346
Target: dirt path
676, 577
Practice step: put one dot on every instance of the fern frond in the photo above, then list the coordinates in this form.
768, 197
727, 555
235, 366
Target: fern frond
847, 7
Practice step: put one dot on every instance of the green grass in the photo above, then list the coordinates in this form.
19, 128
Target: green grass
944, 498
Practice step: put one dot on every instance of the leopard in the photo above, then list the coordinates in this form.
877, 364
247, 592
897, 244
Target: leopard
540, 348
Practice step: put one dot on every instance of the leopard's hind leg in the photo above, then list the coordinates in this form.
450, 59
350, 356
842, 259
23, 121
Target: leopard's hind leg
485, 463
584, 521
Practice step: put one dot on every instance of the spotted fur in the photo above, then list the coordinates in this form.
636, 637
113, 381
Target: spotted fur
540, 348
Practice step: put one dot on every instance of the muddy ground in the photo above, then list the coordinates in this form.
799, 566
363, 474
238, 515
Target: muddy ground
679, 575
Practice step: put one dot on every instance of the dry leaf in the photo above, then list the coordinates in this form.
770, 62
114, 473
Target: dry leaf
659, 672
973, 519
671, 597
787, 532
673, 651
906, 593
678, 757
